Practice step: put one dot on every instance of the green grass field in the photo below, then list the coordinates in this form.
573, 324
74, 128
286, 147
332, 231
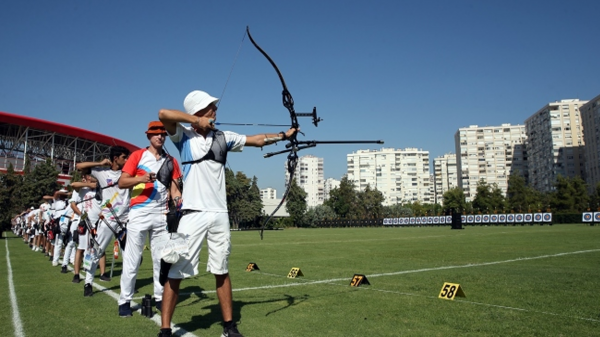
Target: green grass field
518, 281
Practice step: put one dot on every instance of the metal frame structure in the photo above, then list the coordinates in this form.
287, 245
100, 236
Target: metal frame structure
22, 137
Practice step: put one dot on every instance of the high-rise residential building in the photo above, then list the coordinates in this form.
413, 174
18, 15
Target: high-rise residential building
268, 193
590, 116
555, 143
402, 176
445, 175
309, 176
491, 154
329, 185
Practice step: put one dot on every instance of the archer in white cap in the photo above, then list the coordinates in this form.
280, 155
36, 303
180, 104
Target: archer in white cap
203, 151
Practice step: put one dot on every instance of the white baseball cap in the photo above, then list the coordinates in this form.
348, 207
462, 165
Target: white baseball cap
197, 100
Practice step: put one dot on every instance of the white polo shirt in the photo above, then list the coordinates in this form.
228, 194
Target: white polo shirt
108, 180
203, 183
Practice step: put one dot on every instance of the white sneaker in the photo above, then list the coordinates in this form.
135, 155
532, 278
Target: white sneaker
54, 264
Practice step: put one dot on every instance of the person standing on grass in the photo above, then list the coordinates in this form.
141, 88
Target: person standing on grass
86, 190
107, 173
152, 176
203, 151
62, 215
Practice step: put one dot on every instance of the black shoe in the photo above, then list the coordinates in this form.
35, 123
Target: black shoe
50, 259
159, 305
43, 250
88, 291
165, 333
64, 270
76, 278
231, 331
104, 278
125, 310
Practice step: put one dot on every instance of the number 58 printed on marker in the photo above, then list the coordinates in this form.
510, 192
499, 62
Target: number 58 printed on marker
451, 290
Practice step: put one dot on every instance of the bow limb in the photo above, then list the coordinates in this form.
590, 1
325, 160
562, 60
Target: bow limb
288, 103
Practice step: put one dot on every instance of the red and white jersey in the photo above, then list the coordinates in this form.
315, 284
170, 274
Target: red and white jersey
148, 197
204, 182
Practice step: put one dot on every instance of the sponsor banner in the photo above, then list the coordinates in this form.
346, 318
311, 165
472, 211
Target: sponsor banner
528, 217
587, 216
510, 218
547, 217
537, 217
501, 218
485, 218
519, 218
494, 218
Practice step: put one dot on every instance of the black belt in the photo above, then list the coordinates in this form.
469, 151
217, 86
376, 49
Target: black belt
188, 211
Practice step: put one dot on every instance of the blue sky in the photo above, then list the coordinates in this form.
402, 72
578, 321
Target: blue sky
408, 72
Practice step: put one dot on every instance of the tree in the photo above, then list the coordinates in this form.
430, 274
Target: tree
318, 213
562, 199
368, 203
342, 198
581, 200
519, 196
595, 199
296, 204
482, 201
498, 201
243, 199
454, 199
396, 211
10, 195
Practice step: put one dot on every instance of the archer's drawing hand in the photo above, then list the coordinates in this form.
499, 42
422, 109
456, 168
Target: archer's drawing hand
204, 123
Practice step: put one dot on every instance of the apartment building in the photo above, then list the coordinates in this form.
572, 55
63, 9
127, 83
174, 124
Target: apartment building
401, 175
555, 143
268, 194
590, 117
491, 154
309, 176
330, 184
445, 175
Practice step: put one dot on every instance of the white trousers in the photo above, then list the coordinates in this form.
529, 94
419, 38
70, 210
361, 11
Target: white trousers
58, 239
105, 237
139, 227
70, 246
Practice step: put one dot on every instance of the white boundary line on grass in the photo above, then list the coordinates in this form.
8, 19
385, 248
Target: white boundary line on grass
16, 317
156, 318
487, 305
404, 272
